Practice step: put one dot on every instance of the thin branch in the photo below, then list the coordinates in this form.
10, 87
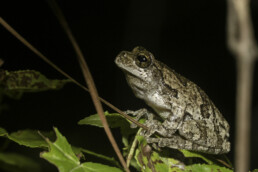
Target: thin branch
132, 149
89, 80
242, 44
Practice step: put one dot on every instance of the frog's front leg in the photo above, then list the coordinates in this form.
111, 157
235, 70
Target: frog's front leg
138, 114
169, 126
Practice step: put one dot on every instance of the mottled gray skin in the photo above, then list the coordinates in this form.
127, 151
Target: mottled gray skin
190, 120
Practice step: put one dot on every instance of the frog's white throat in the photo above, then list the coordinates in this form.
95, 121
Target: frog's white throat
139, 86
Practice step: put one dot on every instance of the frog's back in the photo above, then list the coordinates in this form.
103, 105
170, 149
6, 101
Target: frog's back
195, 101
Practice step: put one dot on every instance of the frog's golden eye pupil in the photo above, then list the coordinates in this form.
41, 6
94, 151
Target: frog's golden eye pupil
142, 58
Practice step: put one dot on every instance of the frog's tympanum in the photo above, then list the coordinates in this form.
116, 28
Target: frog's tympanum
184, 116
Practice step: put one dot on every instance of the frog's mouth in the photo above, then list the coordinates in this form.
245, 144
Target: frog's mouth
136, 84
134, 80
133, 74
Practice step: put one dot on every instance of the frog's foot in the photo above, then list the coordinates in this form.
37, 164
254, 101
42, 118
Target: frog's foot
177, 142
155, 126
138, 114
155, 146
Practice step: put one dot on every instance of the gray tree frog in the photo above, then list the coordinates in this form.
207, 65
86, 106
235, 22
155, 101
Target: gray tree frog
189, 119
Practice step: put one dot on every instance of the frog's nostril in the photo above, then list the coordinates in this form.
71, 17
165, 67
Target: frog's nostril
122, 54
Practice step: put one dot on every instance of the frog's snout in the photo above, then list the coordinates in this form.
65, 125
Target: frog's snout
122, 54
120, 57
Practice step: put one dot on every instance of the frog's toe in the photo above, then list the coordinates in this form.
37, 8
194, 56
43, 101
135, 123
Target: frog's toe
151, 130
155, 146
129, 112
133, 125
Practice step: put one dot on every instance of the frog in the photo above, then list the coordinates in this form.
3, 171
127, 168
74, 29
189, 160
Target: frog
181, 115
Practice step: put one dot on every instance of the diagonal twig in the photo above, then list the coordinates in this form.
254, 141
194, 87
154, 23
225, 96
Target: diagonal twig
49, 62
89, 80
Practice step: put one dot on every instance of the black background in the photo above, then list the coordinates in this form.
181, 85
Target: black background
189, 36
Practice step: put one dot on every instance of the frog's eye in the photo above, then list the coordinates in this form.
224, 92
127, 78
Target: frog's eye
143, 61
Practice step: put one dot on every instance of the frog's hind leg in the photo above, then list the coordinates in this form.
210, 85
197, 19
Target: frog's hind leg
177, 142
205, 135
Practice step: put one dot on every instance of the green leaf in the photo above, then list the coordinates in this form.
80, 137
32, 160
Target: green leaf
114, 120
3, 132
93, 120
62, 156
96, 167
78, 152
14, 83
103, 157
206, 168
150, 160
190, 154
15, 162
30, 138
